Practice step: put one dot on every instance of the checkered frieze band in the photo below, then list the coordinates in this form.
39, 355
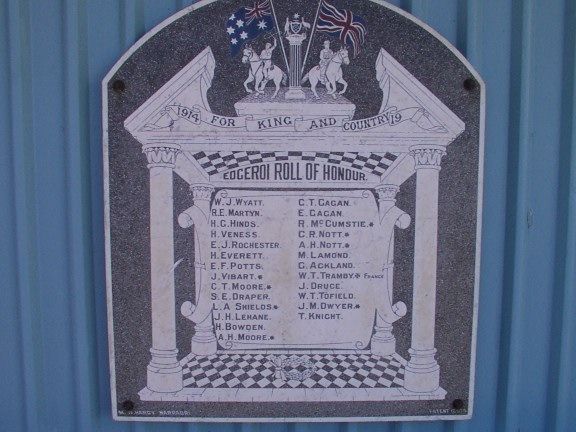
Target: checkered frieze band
270, 371
372, 163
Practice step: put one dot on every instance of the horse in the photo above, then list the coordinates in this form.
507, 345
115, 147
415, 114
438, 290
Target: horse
256, 73
333, 74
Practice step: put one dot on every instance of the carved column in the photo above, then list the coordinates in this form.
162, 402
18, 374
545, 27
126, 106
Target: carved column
200, 313
204, 339
295, 90
386, 197
383, 342
422, 371
164, 370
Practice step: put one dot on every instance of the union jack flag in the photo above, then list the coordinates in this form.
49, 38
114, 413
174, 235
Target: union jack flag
349, 28
258, 11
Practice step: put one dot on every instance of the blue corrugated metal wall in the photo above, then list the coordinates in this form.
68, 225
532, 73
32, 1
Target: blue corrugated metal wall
53, 357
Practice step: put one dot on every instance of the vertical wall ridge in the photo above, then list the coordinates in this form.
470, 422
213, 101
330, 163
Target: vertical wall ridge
443, 16
132, 23
470, 36
155, 12
12, 397
512, 302
496, 41
471, 25
462, 26
24, 203
545, 130
78, 212
102, 53
563, 332
48, 87
68, 124
534, 155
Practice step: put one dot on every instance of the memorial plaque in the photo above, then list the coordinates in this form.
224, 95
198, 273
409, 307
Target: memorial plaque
293, 198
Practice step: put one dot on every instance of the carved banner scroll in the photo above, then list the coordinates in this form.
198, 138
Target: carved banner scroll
295, 270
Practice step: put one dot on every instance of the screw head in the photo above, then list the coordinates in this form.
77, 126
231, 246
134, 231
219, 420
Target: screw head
127, 405
470, 84
118, 86
458, 404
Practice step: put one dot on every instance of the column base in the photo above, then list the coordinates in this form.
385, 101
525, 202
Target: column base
203, 347
383, 343
422, 373
164, 372
295, 93
204, 340
382, 347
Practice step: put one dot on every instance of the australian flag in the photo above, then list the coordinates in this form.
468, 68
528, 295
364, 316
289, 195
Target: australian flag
248, 23
349, 28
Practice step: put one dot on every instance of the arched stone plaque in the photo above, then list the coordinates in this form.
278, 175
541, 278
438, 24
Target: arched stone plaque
293, 200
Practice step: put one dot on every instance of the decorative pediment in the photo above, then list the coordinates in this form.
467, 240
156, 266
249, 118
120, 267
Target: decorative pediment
165, 108
410, 114
410, 104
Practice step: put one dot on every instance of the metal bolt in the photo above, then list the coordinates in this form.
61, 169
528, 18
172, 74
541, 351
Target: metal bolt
127, 405
458, 404
469, 84
119, 86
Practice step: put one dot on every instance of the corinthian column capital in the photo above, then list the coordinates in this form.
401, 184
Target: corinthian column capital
387, 192
427, 157
202, 192
161, 155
